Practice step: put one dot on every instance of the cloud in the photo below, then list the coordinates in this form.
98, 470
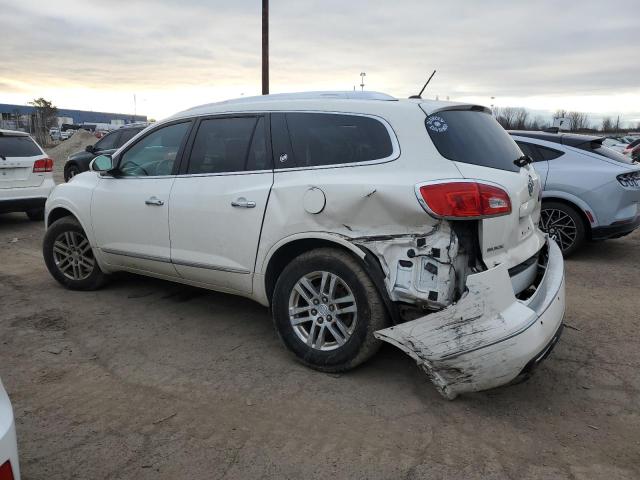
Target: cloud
481, 49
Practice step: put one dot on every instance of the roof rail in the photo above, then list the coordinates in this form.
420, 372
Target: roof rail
330, 95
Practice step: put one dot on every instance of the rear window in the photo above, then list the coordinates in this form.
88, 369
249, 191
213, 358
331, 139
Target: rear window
599, 149
18, 146
321, 139
470, 136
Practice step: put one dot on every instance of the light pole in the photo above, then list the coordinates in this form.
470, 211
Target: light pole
265, 47
362, 75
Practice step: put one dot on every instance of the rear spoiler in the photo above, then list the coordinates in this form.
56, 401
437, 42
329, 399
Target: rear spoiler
594, 142
461, 106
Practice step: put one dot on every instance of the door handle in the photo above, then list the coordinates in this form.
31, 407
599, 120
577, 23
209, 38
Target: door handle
154, 201
243, 203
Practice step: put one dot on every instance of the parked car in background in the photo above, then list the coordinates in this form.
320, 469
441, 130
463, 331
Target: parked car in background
79, 162
66, 134
590, 191
54, 134
26, 175
633, 150
354, 215
614, 144
9, 467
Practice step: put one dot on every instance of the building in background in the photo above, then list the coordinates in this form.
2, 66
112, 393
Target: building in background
21, 117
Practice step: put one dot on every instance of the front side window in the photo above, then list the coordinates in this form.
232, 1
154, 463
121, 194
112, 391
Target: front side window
108, 142
472, 136
156, 153
225, 145
319, 139
18, 146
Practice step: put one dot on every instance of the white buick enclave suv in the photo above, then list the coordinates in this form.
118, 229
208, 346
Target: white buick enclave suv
355, 217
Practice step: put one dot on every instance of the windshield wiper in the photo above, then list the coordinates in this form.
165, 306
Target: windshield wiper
523, 160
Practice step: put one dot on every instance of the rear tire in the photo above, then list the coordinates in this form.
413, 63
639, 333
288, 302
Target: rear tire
337, 310
564, 224
36, 215
69, 256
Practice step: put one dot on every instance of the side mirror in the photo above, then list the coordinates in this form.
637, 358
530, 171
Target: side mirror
89, 148
102, 163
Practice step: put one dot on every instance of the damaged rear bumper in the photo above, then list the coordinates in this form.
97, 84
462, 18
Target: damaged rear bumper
488, 337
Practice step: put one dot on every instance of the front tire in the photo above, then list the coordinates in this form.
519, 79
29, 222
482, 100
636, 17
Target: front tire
564, 224
69, 257
71, 171
325, 310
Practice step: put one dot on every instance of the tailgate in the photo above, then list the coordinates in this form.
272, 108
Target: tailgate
482, 150
17, 172
512, 238
18, 153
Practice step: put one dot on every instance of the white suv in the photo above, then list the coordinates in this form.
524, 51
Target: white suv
355, 217
26, 175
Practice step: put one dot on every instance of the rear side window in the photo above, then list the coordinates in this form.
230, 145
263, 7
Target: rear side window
18, 146
539, 153
319, 139
475, 137
228, 145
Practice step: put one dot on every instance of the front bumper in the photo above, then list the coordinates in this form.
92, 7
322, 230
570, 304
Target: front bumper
615, 230
489, 337
8, 444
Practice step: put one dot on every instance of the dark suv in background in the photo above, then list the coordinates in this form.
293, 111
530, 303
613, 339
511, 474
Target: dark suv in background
79, 162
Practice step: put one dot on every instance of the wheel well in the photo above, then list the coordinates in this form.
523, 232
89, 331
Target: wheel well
57, 214
583, 216
288, 252
283, 256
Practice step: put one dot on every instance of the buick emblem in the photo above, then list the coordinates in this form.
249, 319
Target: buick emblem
530, 185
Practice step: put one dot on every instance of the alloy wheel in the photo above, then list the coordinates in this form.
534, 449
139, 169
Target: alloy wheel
560, 227
322, 310
73, 256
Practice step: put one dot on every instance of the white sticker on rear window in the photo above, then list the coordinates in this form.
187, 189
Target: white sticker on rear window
437, 124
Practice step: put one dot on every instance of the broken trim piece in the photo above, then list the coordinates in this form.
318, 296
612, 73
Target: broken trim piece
487, 338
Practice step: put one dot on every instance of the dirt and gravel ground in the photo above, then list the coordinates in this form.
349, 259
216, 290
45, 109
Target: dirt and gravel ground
148, 379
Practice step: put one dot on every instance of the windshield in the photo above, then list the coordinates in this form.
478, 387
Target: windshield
472, 136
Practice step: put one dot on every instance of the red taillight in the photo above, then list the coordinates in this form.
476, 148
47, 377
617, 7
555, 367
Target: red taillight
6, 472
43, 165
465, 200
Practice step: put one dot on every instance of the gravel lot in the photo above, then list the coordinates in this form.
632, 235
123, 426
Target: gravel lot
147, 379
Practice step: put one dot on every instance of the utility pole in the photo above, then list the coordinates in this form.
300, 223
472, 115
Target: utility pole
362, 75
265, 47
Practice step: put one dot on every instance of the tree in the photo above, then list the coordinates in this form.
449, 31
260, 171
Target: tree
577, 121
44, 118
607, 125
560, 113
512, 118
538, 123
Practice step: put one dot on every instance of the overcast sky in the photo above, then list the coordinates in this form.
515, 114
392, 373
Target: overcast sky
544, 55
